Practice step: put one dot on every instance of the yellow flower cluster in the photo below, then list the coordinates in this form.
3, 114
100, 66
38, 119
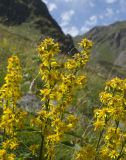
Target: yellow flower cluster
5, 156
86, 153
10, 91
110, 121
33, 148
54, 119
12, 117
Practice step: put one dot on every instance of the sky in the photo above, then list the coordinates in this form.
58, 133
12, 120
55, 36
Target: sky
78, 16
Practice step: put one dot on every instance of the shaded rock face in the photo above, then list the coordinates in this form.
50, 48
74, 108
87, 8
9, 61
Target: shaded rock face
35, 12
19, 11
13, 12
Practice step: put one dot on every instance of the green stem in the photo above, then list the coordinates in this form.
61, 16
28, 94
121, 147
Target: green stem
97, 148
4, 135
100, 136
41, 156
120, 154
117, 124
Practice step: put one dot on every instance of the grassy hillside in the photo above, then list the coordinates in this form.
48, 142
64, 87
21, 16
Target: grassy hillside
24, 44
34, 15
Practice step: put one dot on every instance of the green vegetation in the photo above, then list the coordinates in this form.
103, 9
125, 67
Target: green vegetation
72, 123
12, 42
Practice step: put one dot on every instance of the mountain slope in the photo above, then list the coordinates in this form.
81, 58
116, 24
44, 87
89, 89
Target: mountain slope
109, 44
33, 14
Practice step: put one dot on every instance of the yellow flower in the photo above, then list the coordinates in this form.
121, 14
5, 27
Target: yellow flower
113, 154
105, 97
81, 80
11, 156
71, 64
86, 44
99, 125
54, 138
2, 153
5, 144
13, 145
115, 83
86, 153
33, 148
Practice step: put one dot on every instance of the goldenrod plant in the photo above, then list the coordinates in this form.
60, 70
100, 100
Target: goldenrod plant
54, 119
11, 118
109, 124
110, 121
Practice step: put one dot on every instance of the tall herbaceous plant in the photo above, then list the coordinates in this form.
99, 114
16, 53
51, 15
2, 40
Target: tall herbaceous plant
11, 117
110, 121
60, 79
109, 125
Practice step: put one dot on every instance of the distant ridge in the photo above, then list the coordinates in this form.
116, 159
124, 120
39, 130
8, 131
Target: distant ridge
109, 43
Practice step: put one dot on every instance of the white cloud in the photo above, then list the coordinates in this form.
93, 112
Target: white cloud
84, 29
110, 1
92, 21
74, 4
52, 6
66, 16
65, 23
72, 30
45, 1
93, 18
101, 17
109, 12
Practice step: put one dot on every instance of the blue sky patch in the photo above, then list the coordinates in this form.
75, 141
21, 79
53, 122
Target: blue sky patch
79, 16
